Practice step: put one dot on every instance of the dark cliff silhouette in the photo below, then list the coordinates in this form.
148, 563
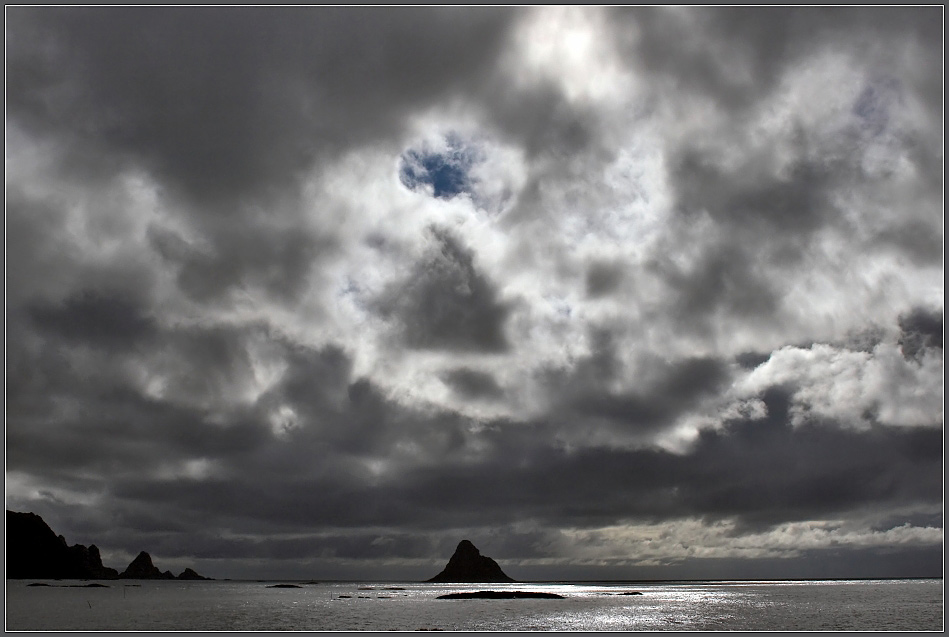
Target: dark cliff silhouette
35, 551
468, 565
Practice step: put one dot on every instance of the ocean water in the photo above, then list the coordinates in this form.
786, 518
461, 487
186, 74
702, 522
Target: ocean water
895, 605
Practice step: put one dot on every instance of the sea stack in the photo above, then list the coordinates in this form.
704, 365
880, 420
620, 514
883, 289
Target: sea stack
142, 568
468, 565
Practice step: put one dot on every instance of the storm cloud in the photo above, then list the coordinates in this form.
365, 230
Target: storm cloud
611, 292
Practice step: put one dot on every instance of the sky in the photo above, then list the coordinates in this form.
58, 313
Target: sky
613, 293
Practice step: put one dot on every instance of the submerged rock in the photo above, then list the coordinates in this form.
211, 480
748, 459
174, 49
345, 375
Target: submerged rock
468, 565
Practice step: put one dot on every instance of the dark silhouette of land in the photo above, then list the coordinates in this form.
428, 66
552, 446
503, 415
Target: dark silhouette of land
92, 585
34, 551
501, 595
190, 574
142, 568
468, 565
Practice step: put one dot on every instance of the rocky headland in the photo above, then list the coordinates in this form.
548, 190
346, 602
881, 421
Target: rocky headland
34, 551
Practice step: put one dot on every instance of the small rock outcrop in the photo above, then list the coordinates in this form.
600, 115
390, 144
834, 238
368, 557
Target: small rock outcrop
501, 595
142, 568
468, 565
189, 574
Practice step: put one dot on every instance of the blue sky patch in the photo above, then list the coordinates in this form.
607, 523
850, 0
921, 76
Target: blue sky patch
446, 170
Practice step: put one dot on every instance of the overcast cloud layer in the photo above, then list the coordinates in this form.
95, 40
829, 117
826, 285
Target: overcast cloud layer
627, 293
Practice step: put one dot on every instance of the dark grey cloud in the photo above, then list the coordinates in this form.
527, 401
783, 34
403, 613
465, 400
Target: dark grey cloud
721, 278
602, 279
96, 319
471, 383
233, 102
920, 329
789, 484
915, 240
656, 405
568, 141
700, 49
275, 261
753, 470
544, 122
48, 262
798, 202
750, 360
446, 303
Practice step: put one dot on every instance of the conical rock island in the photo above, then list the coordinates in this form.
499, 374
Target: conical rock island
142, 568
468, 565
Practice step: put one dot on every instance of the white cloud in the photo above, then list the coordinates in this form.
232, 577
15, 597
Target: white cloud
564, 45
854, 387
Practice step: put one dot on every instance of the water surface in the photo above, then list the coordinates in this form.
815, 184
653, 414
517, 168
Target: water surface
241, 605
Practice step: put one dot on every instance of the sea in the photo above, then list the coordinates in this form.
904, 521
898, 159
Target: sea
127, 605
